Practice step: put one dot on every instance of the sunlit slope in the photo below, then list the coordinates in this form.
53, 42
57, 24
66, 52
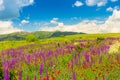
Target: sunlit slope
38, 34
14, 44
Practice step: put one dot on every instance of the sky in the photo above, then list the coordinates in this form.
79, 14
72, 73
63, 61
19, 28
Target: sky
89, 16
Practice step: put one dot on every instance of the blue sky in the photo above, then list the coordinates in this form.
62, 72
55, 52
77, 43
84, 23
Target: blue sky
32, 15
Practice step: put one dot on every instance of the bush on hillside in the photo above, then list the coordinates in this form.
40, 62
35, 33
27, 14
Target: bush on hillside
31, 38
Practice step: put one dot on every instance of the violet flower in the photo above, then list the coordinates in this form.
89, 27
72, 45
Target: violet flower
27, 78
6, 74
20, 75
47, 76
74, 76
87, 57
35, 77
41, 69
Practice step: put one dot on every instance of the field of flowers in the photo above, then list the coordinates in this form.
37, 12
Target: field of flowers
97, 59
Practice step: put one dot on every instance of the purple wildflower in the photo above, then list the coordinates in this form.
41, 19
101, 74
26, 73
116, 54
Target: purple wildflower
20, 75
74, 76
70, 47
41, 69
87, 57
35, 77
49, 53
6, 74
47, 76
27, 78
28, 59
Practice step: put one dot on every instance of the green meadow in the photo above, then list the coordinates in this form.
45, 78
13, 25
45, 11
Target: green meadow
14, 43
73, 57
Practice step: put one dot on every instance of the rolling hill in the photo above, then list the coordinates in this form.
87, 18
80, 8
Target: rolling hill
37, 34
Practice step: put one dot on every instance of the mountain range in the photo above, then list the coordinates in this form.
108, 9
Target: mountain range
38, 34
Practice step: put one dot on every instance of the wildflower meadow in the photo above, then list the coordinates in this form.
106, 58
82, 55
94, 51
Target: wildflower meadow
81, 59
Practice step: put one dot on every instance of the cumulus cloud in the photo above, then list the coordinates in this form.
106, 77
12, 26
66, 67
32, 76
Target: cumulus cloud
24, 22
54, 21
110, 9
7, 27
1, 5
9, 11
114, 0
78, 4
84, 26
112, 24
99, 3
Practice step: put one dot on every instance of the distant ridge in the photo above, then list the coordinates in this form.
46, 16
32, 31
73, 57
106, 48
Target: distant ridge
38, 34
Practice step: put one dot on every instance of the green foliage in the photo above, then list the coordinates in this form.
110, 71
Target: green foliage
14, 44
11, 44
1, 72
78, 48
42, 34
31, 38
63, 62
38, 34
30, 51
100, 39
12, 75
62, 35
58, 44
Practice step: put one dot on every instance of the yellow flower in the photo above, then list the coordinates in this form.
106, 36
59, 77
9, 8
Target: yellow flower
114, 48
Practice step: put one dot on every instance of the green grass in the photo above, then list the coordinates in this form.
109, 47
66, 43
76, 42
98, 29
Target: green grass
14, 44
60, 62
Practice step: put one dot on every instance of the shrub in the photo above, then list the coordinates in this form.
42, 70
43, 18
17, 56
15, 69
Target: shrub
1, 72
100, 38
31, 38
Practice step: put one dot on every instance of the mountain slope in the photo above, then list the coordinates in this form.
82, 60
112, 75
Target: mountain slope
37, 34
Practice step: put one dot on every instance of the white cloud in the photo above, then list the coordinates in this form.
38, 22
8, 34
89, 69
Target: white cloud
54, 21
24, 22
110, 9
112, 24
10, 9
114, 0
99, 3
1, 5
91, 2
7, 27
84, 26
78, 4
102, 3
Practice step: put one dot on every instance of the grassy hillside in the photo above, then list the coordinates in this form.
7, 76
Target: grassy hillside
37, 34
14, 44
74, 57
42, 34
14, 36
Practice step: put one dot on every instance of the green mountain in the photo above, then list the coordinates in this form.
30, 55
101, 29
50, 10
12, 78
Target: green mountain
37, 34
